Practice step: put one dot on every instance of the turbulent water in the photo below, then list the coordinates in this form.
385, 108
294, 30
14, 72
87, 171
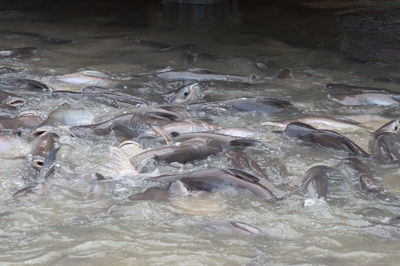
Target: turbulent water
57, 227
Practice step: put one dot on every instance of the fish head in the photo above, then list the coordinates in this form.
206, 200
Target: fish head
187, 94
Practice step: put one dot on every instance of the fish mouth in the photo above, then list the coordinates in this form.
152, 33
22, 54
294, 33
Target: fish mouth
15, 102
37, 162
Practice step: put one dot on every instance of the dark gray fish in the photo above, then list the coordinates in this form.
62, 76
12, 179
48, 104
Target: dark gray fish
224, 140
241, 160
185, 95
25, 120
315, 181
99, 185
189, 150
325, 139
41, 147
153, 193
257, 104
138, 121
182, 127
38, 36
18, 53
112, 98
68, 115
385, 147
214, 179
11, 99
35, 191
16, 84
367, 181
353, 95
209, 76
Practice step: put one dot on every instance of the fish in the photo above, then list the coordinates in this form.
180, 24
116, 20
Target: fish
41, 147
213, 179
42, 185
182, 127
112, 98
353, 95
241, 160
385, 143
137, 120
25, 120
208, 76
321, 122
315, 181
367, 181
18, 53
189, 150
185, 95
26, 85
325, 139
258, 104
11, 99
98, 184
69, 116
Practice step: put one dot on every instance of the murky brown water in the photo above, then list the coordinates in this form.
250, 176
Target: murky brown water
53, 230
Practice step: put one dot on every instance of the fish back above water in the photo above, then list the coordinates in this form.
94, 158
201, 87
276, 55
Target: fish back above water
323, 138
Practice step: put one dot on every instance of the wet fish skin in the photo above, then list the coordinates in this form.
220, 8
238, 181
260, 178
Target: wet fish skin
385, 147
182, 127
315, 181
35, 191
137, 120
16, 84
68, 115
28, 120
189, 150
241, 160
257, 104
323, 138
11, 99
41, 147
186, 94
191, 75
153, 193
214, 179
354, 95
367, 182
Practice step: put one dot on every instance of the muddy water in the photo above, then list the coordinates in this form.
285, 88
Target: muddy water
54, 228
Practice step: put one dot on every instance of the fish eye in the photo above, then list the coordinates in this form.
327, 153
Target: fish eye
185, 92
